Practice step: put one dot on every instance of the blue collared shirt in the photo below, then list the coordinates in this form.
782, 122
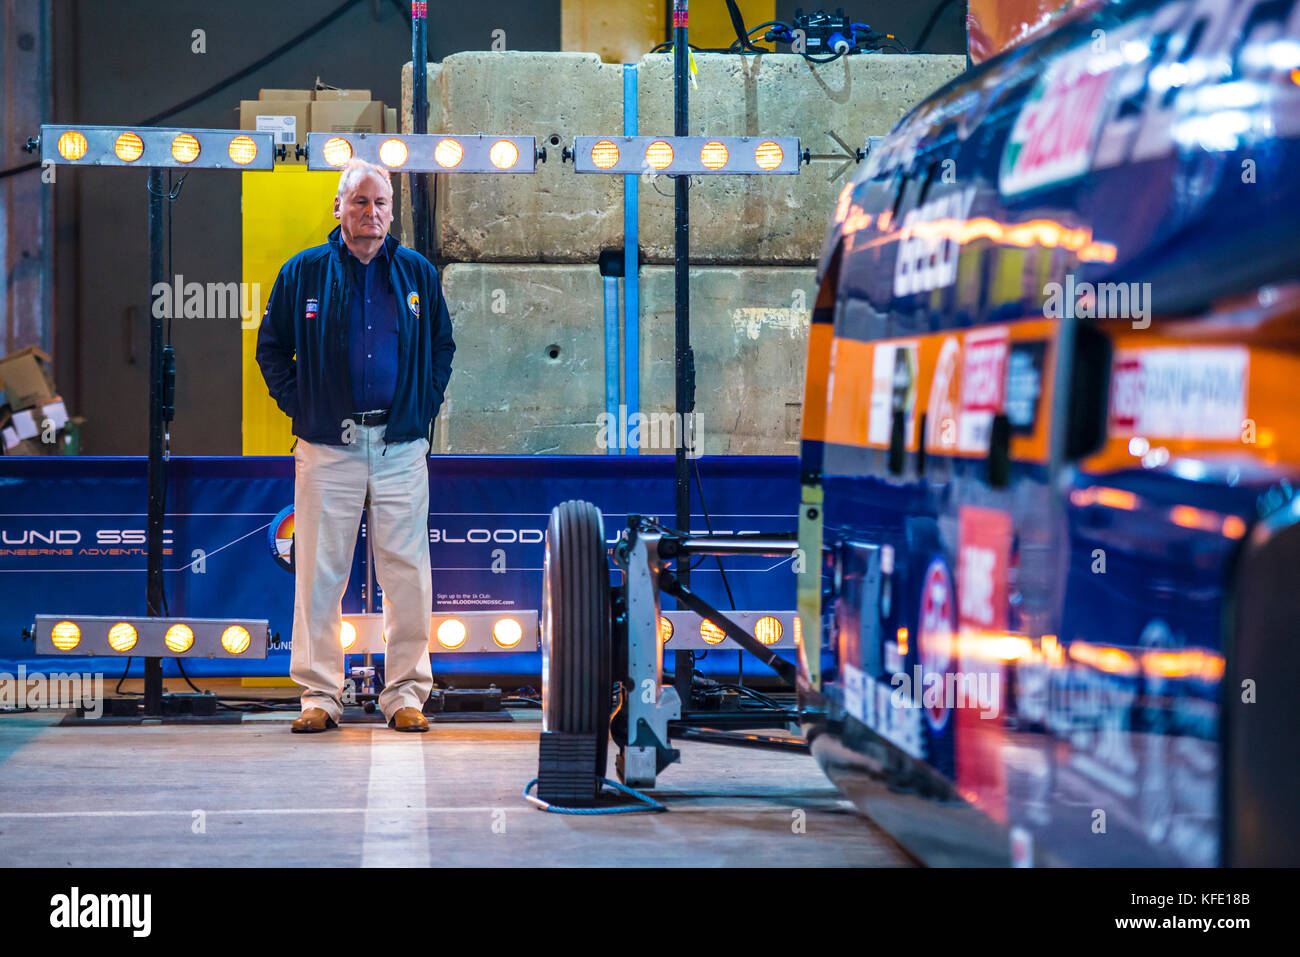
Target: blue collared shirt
372, 332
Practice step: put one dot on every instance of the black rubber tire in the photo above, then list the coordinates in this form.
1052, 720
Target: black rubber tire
576, 640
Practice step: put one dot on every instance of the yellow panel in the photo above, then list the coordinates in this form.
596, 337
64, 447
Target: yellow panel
710, 24
622, 32
618, 32
283, 213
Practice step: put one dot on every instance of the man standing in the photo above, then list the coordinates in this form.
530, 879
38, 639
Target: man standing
356, 348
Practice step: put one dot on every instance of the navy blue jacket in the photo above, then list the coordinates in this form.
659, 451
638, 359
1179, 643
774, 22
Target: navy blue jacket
302, 345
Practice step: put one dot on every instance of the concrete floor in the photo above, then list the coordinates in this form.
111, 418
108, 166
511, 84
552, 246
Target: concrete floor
252, 794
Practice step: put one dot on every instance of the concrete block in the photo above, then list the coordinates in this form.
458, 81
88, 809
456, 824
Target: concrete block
559, 216
749, 332
529, 372
831, 107
552, 215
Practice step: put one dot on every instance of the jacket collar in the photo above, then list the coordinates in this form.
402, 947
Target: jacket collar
336, 240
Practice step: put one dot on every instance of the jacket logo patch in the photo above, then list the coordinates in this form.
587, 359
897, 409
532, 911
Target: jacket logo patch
413, 300
313, 307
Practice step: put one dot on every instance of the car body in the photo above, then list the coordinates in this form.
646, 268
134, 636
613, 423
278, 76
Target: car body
1050, 450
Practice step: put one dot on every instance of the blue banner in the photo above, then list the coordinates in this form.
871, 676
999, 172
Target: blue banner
72, 541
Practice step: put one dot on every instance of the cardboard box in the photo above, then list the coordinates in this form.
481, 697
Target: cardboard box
390, 120
287, 119
333, 96
25, 377
30, 423
347, 116
31, 447
286, 94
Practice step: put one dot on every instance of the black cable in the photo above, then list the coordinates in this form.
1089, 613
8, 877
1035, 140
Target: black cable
118, 689
708, 523
187, 678
15, 170
253, 67
930, 24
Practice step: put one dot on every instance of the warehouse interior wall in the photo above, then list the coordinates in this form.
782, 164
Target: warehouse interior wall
109, 60
107, 63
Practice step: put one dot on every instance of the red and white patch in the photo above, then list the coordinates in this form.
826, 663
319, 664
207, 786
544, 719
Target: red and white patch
983, 388
1179, 393
935, 631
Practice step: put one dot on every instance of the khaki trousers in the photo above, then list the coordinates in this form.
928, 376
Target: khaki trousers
330, 487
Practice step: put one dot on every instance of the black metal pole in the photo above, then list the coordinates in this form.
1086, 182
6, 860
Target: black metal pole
420, 226
684, 661
153, 685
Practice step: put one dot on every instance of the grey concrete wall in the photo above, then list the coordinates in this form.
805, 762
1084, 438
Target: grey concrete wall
529, 372
559, 216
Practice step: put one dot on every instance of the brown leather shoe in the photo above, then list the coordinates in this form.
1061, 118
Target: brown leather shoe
409, 719
312, 720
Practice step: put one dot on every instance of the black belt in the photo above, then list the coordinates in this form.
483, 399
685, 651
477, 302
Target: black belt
370, 418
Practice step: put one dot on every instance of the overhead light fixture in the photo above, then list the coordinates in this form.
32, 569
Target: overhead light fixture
242, 150
665, 630
507, 633
393, 153
151, 637
465, 632
128, 147
688, 631
504, 154
336, 151
713, 154
452, 633
157, 147
711, 633
659, 155
687, 155
426, 152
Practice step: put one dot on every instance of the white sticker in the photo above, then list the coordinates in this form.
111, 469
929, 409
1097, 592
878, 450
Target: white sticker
983, 382
1194, 393
893, 385
285, 128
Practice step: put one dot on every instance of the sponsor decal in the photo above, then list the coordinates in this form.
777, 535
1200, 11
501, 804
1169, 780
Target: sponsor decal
928, 247
983, 382
871, 702
1187, 393
1056, 128
313, 308
893, 389
1024, 385
279, 537
984, 557
935, 628
941, 425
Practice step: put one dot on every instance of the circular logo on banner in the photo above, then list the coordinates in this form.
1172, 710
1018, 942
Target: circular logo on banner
935, 632
279, 536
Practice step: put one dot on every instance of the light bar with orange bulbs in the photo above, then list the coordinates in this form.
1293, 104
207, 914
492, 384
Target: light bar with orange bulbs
687, 631
156, 146
687, 155
425, 152
466, 632
125, 635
